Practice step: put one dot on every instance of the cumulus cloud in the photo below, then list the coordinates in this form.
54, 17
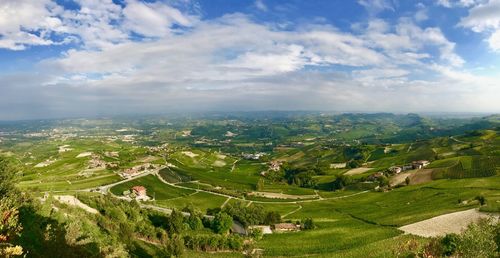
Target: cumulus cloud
25, 23
485, 18
376, 6
152, 57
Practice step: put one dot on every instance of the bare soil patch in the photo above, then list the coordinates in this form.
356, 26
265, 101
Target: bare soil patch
280, 195
73, 201
419, 176
441, 225
219, 163
356, 171
84, 154
190, 154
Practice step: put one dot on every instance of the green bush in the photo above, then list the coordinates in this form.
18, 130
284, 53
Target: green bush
450, 244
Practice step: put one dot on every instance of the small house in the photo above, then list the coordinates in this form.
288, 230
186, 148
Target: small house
140, 192
419, 164
396, 170
286, 227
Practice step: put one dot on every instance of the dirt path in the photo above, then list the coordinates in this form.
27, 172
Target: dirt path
227, 200
292, 212
271, 195
441, 225
234, 164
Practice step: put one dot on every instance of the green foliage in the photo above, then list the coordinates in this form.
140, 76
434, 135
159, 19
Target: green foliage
251, 215
256, 233
221, 223
480, 199
206, 242
407, 180
272, 217
308, 224
478, 240
175, 222
341, 182
450, 244
175, 246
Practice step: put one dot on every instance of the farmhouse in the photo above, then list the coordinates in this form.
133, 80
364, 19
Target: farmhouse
286, 227
140, 193
250, 156
96, 163
274, 165
137, 170
406, 167
396, 170
419, 164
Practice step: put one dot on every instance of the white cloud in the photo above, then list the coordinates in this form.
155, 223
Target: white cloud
233, 62
260, 5
25, 22
485, 18
152, 19
456, 3
376, 6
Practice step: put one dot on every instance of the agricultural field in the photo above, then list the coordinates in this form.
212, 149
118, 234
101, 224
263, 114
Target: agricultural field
337, 170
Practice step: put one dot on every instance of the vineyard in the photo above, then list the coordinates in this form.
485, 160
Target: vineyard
469, 167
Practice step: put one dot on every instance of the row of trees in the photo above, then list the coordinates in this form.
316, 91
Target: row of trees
251, 215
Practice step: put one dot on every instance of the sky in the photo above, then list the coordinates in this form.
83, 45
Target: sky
76, 58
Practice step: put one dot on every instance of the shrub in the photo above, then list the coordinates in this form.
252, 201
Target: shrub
478, 240
222, 223
308, 224
481, 200
450, 243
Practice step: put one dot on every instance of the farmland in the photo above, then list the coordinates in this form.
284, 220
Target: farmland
337, 170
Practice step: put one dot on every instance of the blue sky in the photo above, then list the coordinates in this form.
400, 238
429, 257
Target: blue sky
61, 58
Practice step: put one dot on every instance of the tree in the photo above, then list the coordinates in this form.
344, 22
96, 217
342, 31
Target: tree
10, 226
407, 180
450, 243
175, 223
341, 181
481, 200
260, 184
272, 217
222, 223
308, 224
256, 233
176, 246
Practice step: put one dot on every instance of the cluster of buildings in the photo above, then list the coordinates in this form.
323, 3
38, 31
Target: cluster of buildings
163, 147
96, 163
137, 170
254, 156
274, 166
418, 164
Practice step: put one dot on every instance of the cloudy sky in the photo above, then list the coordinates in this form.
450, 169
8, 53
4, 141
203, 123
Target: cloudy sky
61, 58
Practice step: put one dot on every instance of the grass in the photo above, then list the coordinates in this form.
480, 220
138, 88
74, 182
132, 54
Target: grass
338, 232
155, 188
199, 200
